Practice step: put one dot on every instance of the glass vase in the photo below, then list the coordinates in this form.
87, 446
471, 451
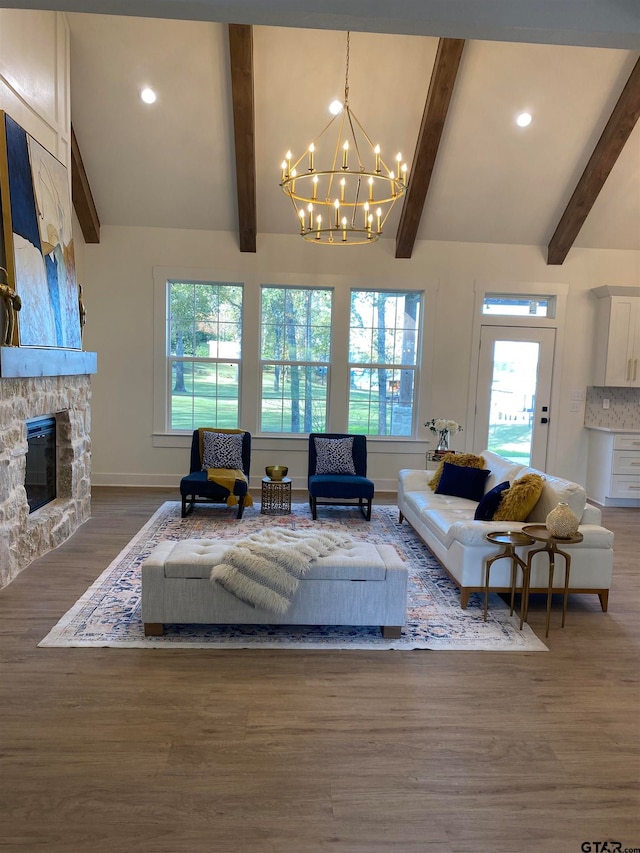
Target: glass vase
443, 441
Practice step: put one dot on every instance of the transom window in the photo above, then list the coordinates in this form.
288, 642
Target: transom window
295, 355
383, 355
501, 304
204, 343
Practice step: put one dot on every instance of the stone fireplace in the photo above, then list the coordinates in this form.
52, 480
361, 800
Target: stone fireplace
25, 536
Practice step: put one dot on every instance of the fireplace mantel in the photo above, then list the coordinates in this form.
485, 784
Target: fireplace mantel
22, 362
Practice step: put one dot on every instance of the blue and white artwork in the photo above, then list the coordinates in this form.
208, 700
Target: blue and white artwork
41, 254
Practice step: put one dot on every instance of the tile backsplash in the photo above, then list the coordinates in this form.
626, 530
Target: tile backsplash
623, 411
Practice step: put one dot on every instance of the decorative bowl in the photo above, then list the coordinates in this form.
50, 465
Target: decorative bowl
276, 472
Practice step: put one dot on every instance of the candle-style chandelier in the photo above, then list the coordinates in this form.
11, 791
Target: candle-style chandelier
345, 201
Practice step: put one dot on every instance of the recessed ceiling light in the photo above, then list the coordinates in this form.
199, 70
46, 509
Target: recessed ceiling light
148, 95
335, 107
523, 120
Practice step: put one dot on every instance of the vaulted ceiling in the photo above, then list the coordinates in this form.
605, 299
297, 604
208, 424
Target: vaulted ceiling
232, 100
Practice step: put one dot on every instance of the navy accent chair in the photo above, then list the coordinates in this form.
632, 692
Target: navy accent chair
341, 489
195, 488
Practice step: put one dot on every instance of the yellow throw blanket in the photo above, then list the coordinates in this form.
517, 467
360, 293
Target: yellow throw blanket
226, 477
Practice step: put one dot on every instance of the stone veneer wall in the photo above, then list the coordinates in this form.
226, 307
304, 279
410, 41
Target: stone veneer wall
23, 536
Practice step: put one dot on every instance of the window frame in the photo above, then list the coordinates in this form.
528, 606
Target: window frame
298, 363
390, 366
510, 297
163, 370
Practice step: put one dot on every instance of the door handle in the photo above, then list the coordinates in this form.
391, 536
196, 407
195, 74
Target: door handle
544, 420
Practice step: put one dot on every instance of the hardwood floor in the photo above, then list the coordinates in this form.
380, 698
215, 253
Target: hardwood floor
187, 751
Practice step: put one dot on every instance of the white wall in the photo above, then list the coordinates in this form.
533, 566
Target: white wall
34, 76
117, 276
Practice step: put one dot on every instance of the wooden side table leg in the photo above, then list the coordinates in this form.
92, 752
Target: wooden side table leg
530, 557
552, 569
567, 570
525, 588
487, 569
514, 570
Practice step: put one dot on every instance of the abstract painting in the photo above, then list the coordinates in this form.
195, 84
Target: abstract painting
38, 240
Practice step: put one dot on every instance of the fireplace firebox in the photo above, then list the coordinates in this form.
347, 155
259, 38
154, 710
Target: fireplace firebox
41, 475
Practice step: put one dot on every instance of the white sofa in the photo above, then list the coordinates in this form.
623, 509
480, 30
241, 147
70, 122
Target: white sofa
447, 526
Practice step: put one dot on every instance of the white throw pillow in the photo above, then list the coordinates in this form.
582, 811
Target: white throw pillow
221, 450
334, 456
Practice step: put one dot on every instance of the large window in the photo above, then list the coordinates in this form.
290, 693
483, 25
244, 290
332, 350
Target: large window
204, 344
383, 354
295, 353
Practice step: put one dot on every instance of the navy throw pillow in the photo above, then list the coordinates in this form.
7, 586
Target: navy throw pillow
462, 482
489, 503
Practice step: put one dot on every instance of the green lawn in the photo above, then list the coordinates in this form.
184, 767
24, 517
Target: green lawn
212, 400
512, 441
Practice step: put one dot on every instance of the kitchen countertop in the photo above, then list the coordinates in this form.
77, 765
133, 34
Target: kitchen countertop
627, 430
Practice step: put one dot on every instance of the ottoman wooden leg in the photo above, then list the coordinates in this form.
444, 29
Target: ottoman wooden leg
391, 632
153, 629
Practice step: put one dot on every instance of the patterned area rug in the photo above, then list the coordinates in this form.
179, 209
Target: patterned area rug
108, 614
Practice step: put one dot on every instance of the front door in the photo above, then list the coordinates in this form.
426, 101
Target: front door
513, 394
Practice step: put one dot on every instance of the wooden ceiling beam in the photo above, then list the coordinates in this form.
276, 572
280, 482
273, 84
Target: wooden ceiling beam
443, 78
241, 60
614, 137
82, 197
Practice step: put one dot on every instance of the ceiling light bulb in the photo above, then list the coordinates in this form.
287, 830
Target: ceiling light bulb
148, 95
523, 120
335, 107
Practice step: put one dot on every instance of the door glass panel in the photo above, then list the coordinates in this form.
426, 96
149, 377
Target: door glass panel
512, 401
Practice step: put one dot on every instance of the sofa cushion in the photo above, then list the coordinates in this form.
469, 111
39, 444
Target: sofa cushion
518, 501
468, 460
462, 481
489, 503
501, 469
556, 489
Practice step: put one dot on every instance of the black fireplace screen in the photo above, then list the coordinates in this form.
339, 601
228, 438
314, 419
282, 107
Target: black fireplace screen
40, 477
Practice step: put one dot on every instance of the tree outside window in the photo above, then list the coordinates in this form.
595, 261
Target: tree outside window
295, 353
204, 341
383, 352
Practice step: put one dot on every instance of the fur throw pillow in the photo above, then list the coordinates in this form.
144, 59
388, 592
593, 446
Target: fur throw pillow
518, 501
468, 460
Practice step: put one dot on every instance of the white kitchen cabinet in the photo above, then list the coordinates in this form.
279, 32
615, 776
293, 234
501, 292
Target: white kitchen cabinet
613, 471
617, 351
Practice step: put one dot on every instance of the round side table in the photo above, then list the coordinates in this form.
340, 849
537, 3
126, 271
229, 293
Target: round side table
510, 540
276, 496
540, 533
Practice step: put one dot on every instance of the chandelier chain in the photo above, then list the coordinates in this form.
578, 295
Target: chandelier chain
346, 74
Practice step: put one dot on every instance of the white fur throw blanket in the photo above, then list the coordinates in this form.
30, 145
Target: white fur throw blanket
265, 568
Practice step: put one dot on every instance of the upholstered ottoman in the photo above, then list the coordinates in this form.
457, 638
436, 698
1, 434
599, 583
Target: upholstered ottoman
364, 584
